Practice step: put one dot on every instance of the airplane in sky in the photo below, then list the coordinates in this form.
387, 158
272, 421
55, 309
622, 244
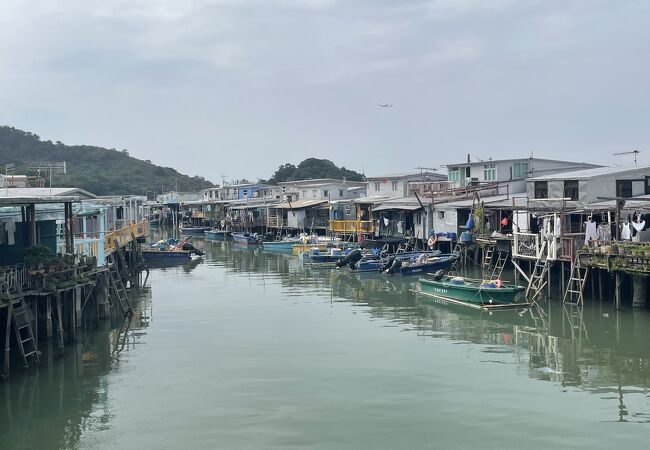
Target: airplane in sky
385, 105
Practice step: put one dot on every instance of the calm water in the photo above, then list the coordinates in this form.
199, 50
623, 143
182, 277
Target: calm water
248, 350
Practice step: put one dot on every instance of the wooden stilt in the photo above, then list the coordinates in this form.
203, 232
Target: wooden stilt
617, 288
48, 316
59, 323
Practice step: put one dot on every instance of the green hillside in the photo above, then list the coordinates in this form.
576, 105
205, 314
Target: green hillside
312, 168
98, 170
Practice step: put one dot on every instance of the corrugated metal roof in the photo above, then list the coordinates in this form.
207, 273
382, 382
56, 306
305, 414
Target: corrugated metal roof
402, 206
44, 192
588, 173
298, 204
469, 202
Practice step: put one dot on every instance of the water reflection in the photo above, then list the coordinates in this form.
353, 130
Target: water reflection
592, 350
67, 395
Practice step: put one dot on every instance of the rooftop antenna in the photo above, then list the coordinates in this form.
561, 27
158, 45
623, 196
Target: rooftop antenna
52, 167
636, 151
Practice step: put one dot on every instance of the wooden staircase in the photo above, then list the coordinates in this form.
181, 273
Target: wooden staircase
22, 324
117, 288
577, 282
537, 281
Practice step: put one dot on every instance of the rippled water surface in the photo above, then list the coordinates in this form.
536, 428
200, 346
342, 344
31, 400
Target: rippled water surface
246, 349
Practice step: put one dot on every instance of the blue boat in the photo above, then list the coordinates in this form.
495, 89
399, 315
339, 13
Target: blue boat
372, 262
154, 254
194, 230
246, 238
218, 235
416, 265
285, 245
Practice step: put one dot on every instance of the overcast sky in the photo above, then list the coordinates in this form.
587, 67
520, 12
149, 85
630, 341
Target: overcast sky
238, 87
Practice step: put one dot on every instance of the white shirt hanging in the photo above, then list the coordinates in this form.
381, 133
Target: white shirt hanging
626, 232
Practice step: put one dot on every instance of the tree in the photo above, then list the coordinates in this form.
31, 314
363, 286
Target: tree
312, 168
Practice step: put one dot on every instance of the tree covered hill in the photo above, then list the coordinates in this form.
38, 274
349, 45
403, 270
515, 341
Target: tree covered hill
98, 170
314, 168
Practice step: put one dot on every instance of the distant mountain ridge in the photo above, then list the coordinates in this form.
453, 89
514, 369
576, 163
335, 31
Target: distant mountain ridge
98, 170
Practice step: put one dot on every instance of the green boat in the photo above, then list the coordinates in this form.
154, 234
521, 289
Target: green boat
478, 293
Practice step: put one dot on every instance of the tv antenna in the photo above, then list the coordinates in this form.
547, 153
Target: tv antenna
636, 151
52, 167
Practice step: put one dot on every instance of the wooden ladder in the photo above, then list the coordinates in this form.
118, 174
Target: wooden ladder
487, 257
577, 282
537, 280
123, 269
500, 263
23, 329
118, 287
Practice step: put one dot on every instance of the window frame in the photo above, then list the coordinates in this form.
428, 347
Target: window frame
490, 168
567, 190
537, 187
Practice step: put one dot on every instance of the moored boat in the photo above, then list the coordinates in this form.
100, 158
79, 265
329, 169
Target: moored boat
193, 230
283, 245
419, 264
155, 254
474, 292
246, 238
218, 235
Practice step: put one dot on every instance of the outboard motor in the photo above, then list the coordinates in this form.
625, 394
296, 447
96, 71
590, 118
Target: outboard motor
394, 268
351, 258
388, 264
189, 247
438, 275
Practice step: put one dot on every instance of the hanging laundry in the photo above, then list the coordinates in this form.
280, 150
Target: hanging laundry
604, 232
591, 232
504, 221
377, 225
399, 227
10, 228
386, 221
557, 226
639, 225
626, 231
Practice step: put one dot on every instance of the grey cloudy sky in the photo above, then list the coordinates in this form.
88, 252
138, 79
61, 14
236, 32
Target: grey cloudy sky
238, 87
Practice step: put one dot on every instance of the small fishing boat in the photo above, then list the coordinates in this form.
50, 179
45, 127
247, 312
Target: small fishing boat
155, 254
285, 245
218, 235
423, 263
480, 293
327, 259
372, 262
246, 238
193, 230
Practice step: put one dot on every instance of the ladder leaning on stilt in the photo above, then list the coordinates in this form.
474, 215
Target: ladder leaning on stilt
537, 280
487, 257
117, 287
577, 282
23, 330
500, 263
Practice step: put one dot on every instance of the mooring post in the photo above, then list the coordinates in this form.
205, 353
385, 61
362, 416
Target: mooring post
7, 342
639, 283
77, 306
48, 316
617, 290
600, 283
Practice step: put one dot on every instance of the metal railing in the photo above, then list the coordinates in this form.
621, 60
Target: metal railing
15, 279
529, 245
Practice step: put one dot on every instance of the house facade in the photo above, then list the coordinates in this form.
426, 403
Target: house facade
513, 172
397, 185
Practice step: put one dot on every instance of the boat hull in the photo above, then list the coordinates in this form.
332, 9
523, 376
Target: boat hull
194, 230
285, 246
217, 235
165, 255
471, 292
245, 239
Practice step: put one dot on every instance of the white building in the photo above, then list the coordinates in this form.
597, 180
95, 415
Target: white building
512, 172
322, 189
396, 185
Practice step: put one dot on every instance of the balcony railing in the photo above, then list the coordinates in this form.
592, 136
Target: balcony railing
351, 226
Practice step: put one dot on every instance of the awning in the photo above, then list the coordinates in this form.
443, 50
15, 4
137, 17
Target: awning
298, 204
399, 206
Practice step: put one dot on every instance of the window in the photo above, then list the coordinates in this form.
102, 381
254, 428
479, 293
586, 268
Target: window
377, 186
647, 185
453, 174
441, 214
541, 189
571, 189
304, 194
325, 193
520, 170
340, 192
313, 193
489, 172
624, 188
394, 185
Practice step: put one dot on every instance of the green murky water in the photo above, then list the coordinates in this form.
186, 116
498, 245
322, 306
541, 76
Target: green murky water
248, 350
